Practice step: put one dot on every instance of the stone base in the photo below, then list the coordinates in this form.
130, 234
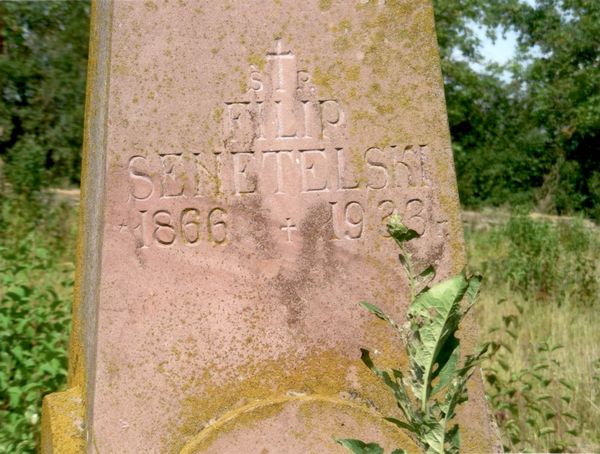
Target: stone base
62, 423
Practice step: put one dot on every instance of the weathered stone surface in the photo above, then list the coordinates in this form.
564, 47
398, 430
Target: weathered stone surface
244, 156
63, 422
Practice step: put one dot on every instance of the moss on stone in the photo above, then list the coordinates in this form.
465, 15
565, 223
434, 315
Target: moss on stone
62, 423
325, 5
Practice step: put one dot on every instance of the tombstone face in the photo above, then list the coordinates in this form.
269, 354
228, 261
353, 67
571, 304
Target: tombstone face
253, 153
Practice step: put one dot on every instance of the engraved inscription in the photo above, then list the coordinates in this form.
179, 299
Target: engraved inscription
217, 227
281, 105
189, 227
244, 175
348, 222
354, 216
314, 170
280, 141
141, 186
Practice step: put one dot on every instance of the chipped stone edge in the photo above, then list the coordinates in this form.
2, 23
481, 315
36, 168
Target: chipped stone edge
67, 415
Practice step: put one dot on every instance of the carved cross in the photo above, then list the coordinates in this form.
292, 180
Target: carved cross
289, 228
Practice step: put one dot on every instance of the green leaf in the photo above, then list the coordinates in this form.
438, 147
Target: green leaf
473, 290
395, 384
547, 430
566, 399
399, 231
14, 396
446, 373
42, 253
436, 314
360, 447
453, 437
566, 384
404, 262
426, 277
433, 436
457, 393
402, 424
376, 311
17, 352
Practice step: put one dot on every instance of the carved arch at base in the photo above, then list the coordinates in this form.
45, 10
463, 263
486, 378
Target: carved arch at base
302, 424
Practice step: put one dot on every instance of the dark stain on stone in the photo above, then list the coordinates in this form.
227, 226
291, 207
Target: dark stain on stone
255, 224
315, 265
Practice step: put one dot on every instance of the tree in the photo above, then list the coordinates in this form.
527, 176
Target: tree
492, 167
561, 86
531, 139
42, 79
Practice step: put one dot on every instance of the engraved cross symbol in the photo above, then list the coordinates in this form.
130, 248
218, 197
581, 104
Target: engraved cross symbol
278, 56
289, 228
279, 48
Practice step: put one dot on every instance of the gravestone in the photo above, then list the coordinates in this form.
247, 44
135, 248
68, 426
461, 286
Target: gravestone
241, 161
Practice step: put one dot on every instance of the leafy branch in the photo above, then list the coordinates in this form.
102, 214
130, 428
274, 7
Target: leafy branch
435, 385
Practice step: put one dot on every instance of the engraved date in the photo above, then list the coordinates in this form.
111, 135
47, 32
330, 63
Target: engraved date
189, 226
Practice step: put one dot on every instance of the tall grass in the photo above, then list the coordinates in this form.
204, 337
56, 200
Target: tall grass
540, 304
36, 280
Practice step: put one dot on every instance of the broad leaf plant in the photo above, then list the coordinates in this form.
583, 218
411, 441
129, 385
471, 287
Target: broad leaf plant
428, 394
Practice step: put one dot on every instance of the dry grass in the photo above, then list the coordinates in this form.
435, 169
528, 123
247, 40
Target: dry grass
561, 318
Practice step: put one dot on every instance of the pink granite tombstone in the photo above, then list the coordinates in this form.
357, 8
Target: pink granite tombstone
242, 160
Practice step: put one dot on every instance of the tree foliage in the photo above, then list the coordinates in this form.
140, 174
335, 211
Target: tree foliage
43, 57
529, 137
561, 88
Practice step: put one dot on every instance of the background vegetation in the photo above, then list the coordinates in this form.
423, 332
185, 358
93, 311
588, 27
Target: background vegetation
539, 303
36, 284
43, 58
524, 135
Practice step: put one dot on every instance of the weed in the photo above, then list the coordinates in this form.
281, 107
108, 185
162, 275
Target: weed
531, 404
543, 314
429, 395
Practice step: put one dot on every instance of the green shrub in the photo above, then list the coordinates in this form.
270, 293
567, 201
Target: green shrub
43, 58
544, 260
24, 167
35, 291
